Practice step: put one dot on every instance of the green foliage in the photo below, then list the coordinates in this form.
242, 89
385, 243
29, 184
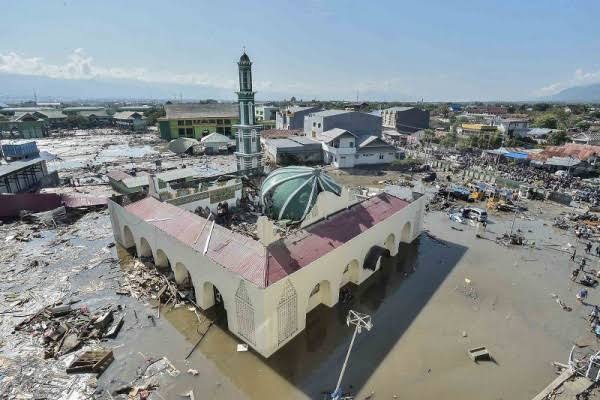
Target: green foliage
78, 121
154, 114
558, 138
450, 140
583, 125
546, 121
541, 106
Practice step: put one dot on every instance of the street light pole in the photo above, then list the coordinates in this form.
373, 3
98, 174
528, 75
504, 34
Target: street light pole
359, 321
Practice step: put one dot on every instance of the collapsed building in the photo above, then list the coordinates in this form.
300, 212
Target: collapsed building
313, 237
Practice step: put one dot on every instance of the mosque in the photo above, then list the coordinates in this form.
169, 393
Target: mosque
313, 237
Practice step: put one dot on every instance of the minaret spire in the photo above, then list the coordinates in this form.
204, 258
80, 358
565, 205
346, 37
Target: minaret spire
248, 152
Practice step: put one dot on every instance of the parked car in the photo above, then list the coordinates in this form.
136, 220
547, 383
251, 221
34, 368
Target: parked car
475, 213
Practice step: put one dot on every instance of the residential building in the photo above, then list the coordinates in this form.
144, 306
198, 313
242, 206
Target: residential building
540, 134
266, 113
512, 127
360, 124
591, 138
195, 120
247, 133
344, 149
23, 126
279, 134
96, 117
293, 150
394, 137
52, 118
405, 119
131, 120
23, 175
479, 130
215, 142
293, 117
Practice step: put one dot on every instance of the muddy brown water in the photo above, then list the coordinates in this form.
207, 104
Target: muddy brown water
418, 301
421, 309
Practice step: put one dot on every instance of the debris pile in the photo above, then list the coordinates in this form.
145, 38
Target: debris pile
63, 328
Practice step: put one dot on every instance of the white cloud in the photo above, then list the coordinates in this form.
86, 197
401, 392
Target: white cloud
79, 65
579, 78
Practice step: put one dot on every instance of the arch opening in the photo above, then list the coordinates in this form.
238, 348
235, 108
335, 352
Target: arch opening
145, 251
128, 241
374, 256
320, 294
162, 261
390, 244
214, 303
406, 232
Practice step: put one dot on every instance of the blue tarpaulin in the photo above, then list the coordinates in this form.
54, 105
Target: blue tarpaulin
519, 156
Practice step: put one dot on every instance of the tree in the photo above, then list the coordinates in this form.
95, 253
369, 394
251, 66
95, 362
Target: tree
558, 138
541, 107
154, 114
547, 121
583, 125
450, 140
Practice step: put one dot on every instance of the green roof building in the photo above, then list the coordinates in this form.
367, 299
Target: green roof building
195, 120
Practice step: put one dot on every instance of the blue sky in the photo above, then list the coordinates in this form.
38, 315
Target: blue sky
390, 50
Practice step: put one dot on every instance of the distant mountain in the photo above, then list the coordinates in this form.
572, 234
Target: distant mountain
579, 94
21, 87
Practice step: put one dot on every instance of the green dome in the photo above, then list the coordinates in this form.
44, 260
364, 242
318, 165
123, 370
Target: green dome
291, 192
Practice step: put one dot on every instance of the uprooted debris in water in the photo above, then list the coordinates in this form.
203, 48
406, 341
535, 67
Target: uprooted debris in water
64, 329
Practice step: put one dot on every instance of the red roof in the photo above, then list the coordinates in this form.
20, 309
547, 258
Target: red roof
296, 251
579, 151
248, 257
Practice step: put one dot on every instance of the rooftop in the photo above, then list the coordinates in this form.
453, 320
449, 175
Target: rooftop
395, 109
248, 258
15, 166
328, 136
197, 110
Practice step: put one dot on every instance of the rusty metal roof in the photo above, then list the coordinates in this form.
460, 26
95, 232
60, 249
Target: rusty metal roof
296, 251
238, 253
249, 258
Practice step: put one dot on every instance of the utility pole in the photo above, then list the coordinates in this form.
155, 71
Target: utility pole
359, 321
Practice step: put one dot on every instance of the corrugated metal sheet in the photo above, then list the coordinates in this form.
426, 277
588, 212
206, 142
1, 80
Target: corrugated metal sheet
249, 258
240, 254
294, 252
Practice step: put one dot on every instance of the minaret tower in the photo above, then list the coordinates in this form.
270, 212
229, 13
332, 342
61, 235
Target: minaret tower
247, 135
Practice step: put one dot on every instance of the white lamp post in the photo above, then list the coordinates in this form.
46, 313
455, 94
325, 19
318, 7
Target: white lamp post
359, 321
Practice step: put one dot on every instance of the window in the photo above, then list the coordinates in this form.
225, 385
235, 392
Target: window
380, 156
319, 125
220, 121
253, 139
181, 131
227, 121
314, 124
179, 123
205, 121
351, 144
188, 122
220, 129
189, 132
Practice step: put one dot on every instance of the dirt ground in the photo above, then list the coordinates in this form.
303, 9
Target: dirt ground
426, 316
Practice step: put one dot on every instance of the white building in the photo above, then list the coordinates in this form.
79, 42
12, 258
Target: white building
513, 127
265, 113
344, 149
266, 287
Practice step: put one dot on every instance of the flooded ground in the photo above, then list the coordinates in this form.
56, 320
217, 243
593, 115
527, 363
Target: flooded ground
84, 157
425, 318
425, 314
